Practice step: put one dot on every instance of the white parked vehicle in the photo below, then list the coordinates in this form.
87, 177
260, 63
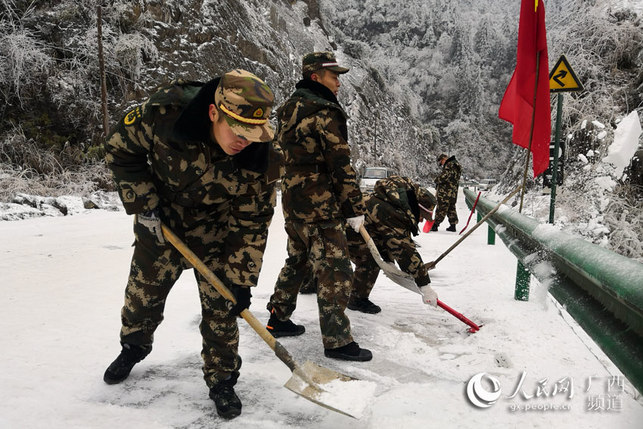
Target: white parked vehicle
487, 184
372, 175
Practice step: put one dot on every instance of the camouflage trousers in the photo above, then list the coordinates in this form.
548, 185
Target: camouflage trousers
366, 269
154, 270
392, 249
322, 248
446, 208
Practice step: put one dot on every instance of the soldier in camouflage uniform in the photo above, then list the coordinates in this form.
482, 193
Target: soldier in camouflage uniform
320, 196
393, 212
191, 157
446, 190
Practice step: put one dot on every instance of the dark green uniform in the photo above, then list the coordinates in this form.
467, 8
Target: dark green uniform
320, 191
163, 158
446, 191
392, 216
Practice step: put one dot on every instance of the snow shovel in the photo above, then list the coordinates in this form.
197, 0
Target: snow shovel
323, 386
473, 208
390, 270
431, 265
473, 328
406, 280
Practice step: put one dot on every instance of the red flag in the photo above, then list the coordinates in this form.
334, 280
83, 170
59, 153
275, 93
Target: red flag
517, 105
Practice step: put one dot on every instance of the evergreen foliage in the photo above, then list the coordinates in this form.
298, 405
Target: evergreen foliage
426, 78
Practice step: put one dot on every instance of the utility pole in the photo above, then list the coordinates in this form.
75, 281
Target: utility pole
377, 117
101, 67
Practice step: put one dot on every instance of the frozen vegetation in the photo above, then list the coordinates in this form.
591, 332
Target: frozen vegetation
425, 78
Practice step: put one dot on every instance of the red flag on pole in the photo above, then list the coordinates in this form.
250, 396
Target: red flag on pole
527, 95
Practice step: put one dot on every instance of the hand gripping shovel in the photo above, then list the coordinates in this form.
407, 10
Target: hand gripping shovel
323, 386
406, 280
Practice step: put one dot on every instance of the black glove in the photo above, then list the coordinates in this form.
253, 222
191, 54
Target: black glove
151, 221
242, 296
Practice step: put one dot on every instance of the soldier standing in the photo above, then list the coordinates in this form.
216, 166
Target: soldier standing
393, 211
320, 195
446, 190
191, 157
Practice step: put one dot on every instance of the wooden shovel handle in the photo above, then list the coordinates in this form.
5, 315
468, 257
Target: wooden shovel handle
311, 391
372, 248
221, 288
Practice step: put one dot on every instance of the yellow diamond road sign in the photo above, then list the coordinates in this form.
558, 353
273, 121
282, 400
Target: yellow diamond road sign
562, 77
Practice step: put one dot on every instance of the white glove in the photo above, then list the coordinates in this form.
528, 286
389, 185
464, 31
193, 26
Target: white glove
429, 296
356, 222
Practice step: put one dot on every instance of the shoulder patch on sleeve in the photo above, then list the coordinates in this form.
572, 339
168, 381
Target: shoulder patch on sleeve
133, 116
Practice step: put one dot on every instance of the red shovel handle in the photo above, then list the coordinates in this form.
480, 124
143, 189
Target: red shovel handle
471, 214
473, 326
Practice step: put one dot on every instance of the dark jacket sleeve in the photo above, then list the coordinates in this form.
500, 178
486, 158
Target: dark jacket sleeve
337, 157
127, 148
248, 221
447, 180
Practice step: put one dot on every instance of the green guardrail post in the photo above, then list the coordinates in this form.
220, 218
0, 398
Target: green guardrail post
600, 289
479, 217
522, 283
491, 236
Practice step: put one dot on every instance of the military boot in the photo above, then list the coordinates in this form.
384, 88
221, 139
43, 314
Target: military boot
364, 305
130, 355
451, 228
351, 351
283, 329
435, 227
225, 399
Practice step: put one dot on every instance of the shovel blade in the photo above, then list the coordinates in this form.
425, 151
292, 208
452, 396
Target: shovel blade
331, 389
401, 278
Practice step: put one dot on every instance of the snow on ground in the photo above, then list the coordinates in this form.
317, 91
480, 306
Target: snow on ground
62, 286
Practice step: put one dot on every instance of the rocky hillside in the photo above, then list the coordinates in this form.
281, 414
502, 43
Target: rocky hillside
51, 72
425, 78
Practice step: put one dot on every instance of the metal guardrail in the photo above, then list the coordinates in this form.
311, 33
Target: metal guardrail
601, 290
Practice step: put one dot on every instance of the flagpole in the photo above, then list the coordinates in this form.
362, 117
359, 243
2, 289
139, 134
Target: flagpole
531, 134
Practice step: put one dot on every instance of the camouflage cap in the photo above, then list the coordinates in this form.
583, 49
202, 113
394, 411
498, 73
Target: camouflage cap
321, 60
246, 101
426, 200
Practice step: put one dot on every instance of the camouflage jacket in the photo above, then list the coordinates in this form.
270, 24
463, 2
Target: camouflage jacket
446, 183
318, 182
391, 220
162, 157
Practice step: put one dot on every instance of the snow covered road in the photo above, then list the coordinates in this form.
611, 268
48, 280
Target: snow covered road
63, 278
